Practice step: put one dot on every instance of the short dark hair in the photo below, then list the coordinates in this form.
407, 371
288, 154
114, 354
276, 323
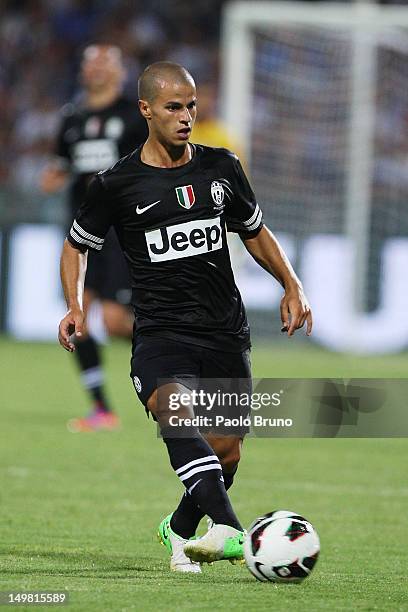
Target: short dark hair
157, 74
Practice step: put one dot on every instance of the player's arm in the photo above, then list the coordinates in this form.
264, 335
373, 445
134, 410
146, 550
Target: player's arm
54, 177
268, 253
88, 231
244, 216
56, 173
73, 269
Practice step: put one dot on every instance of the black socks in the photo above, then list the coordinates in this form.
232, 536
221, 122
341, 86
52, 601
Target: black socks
187, 516
88, 356
200, 471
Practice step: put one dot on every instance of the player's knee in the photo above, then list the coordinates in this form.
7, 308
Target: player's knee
154, 406
112, 326
230, 462
160, 406
231, 456
117, 321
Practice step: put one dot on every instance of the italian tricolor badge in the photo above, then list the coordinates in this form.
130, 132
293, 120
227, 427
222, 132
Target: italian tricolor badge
185, 196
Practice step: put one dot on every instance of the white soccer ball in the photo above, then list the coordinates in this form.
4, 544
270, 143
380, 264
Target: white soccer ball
281, 546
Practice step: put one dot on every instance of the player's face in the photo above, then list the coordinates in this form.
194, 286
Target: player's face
101, 67
172, 114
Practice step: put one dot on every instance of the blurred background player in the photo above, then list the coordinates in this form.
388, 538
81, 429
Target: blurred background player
93, 135
209, 129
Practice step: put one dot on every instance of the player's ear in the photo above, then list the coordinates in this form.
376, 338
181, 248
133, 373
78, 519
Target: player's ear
145, 109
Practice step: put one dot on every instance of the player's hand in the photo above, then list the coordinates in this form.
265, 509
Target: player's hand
52, 180
72, 323
295, 311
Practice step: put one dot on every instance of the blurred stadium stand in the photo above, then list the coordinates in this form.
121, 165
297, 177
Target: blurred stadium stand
40, 46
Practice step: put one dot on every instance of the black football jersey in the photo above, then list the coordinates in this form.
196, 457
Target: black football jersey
171, 224
92, 140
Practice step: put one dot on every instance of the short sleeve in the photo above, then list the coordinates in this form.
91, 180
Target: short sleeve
243, 214
93, 219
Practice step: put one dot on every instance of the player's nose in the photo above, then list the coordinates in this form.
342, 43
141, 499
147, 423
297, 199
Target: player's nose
186, 116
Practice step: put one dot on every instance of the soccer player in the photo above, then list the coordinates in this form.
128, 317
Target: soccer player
171, 203
209, 129
93, 135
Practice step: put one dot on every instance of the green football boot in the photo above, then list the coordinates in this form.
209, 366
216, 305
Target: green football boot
179, 562
219, 543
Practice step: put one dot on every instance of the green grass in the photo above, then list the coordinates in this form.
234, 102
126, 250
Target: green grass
80, 512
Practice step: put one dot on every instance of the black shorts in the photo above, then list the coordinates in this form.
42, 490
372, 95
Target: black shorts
107, 273
156, 361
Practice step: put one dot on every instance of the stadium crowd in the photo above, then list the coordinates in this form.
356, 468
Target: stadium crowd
40, 46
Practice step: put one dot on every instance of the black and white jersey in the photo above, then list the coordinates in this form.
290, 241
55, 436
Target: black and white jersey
171, 224
92, 140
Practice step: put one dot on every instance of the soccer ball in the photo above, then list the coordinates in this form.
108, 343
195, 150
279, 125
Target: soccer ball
281, 546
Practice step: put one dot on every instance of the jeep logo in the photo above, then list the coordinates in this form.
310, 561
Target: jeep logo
184, 239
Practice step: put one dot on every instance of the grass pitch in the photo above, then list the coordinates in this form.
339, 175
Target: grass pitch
80, 512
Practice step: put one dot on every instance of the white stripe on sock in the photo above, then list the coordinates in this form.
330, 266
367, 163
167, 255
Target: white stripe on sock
195, 462
91, 378
203, 468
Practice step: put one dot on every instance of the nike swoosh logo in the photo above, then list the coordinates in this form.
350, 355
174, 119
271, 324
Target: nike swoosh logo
140, 210
194, 485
